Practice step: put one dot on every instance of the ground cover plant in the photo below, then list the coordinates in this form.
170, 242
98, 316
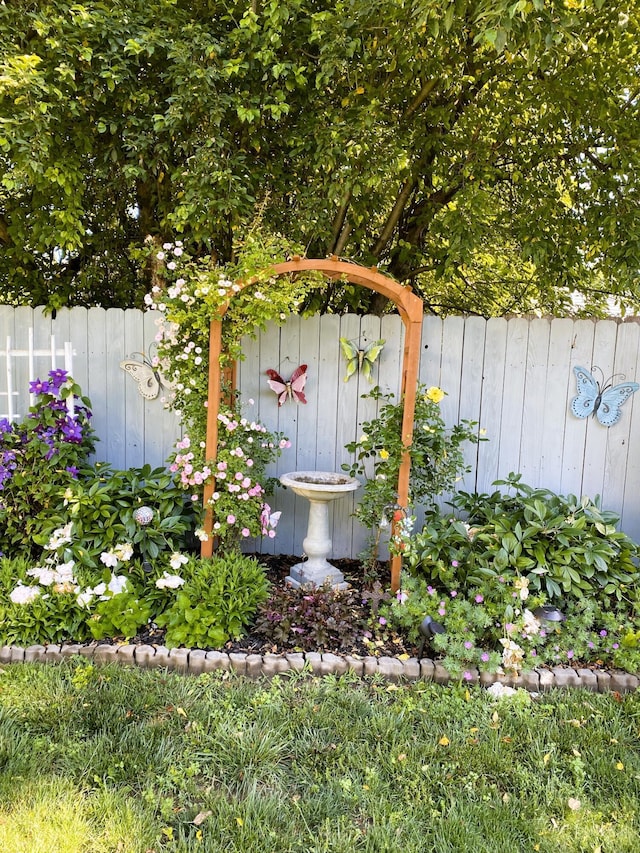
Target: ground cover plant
96, 759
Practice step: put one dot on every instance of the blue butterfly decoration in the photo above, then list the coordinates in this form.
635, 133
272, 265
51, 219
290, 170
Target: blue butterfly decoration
603, 402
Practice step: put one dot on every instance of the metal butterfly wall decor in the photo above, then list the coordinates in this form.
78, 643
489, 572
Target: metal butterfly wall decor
360, 359
146, 374
291, 389
602, 401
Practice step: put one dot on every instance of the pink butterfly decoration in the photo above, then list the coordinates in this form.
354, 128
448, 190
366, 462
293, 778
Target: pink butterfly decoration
291, 389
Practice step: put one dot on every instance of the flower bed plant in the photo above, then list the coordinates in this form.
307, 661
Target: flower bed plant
92, 552
437, 459
40, 456
486, 580
189, 293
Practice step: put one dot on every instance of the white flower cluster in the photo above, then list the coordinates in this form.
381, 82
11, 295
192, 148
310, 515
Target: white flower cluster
60, 536
24, 594
120, 553
168, 581
103, 591
60, 574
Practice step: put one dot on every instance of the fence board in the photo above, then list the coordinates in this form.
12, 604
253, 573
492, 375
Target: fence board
532, 442
491, 403
513, 396
595, 459
471, 388
574, 453
554, 406
615, 469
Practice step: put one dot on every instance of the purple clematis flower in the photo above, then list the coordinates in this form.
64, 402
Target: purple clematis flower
58, 378
40, 387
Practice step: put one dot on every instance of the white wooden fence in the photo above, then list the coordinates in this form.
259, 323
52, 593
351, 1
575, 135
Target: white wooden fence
513, 376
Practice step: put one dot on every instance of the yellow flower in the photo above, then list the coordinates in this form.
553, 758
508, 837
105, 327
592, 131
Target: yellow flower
434, 394
384, 454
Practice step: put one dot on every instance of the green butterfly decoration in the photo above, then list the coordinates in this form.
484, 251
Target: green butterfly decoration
360, 359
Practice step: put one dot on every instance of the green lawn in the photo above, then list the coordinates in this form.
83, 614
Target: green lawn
115, 760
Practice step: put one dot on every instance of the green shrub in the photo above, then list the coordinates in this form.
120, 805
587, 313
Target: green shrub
121, 615
562, 546
437, 458
100, 509
217, 601
33, 614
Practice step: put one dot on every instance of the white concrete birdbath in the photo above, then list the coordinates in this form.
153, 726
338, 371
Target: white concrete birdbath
319, 488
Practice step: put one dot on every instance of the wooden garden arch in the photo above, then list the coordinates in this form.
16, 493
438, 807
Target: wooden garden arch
410, 309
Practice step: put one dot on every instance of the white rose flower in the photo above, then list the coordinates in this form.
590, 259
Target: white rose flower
123, 551
109, 559
512, 655
117, 584
44, 576
531, 625
85, 598
65, 572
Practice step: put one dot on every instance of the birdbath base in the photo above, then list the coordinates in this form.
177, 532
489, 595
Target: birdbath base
316, 573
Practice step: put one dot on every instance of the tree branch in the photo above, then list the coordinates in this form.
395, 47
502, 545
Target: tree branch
338, 224
420, 98
5, 237
394, 216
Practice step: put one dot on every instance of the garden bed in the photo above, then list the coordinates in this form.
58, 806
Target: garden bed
387, 655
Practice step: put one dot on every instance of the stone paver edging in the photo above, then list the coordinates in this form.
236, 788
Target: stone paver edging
197, 661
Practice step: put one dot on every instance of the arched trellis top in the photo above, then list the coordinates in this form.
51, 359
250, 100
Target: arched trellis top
410, 309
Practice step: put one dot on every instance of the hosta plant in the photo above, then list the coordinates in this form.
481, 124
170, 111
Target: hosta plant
562, 546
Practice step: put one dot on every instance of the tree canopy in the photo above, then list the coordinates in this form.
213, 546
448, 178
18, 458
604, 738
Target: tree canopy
483, 152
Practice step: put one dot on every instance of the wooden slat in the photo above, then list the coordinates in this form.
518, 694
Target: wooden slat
595, 458
492, 404
575, 447
513, 397
471, 390
554, 397
535, 393
618, 445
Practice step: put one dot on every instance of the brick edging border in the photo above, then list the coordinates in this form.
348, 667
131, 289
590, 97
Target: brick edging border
197, 661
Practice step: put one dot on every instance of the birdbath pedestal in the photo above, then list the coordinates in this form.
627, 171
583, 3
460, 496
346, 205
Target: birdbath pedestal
319, 488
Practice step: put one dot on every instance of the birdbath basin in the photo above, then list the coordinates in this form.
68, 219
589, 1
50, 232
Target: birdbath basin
319, 488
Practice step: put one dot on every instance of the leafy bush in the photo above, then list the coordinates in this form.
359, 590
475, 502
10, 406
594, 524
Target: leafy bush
312, 618
219, 599
562, 546
100, 511
120, 615
40, 457
498, 625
